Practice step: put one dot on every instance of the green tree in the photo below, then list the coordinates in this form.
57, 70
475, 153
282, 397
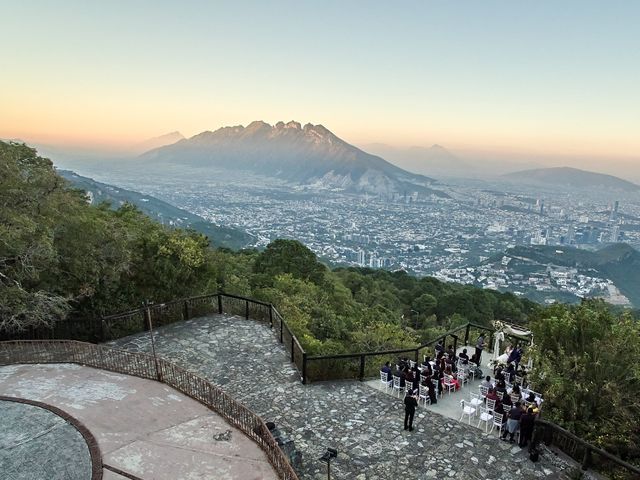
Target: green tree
288, 256
585, 363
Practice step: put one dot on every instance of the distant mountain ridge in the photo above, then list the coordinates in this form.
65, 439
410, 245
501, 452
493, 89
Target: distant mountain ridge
157, 142
434, 160
308, 155
572, 177
159, 210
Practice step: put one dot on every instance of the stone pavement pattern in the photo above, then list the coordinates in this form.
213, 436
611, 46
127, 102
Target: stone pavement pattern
363, 424
143, 427
38, 444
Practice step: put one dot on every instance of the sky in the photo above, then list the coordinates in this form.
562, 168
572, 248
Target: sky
543, 78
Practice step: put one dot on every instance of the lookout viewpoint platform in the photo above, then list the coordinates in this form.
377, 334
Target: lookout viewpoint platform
364, 424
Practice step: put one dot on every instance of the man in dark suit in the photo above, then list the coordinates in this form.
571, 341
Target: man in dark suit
410, 404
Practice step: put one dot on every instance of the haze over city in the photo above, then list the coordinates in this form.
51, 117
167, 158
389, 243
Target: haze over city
528, 83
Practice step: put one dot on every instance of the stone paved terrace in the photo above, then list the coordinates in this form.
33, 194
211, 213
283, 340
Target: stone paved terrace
362, 423
142, 427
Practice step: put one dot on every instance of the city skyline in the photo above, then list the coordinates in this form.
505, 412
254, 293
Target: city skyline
513, 81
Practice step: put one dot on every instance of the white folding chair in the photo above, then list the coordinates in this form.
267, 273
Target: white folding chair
497, 422
485, 416
396, 384
475, 400
384, 381
448, 383
491, 404
434, 382
424, 395
466, 410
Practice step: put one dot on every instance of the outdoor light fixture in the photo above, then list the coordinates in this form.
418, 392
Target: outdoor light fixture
326, 457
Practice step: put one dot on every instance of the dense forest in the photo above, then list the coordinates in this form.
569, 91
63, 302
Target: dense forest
60, 256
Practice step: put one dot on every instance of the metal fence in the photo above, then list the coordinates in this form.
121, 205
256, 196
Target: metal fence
146, 366
367, 364
583, 452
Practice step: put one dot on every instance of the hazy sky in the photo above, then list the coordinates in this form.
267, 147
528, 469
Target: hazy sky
539, 77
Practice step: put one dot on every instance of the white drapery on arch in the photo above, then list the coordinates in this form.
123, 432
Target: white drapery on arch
503, 329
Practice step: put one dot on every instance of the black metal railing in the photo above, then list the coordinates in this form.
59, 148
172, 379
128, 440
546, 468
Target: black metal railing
587, 455
364, 365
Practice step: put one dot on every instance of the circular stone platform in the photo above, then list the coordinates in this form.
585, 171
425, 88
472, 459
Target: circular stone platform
36, 443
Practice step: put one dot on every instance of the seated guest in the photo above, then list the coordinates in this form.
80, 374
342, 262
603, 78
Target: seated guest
403, 377
386, 368
427, 369
498, 373
516, 390
442, 365
506, 401
450, 362
432, 392
491, 395
475, 358
487, 382
439, 347
416, 377
451, 352
501, 387
510, 373
403, 362
409, 378
456, 382
464, 356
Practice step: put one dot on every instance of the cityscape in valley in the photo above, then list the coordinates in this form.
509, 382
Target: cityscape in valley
456, 229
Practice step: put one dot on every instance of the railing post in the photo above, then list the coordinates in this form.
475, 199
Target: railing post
281, 329
455, 344
292, 347
186, 309
219, 304
586, 458
271, 316
304, 368
102, 330
361, 367
146, 313
246, 309
466, 335
417, 355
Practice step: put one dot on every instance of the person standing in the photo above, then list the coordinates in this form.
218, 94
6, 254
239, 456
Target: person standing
479, 348
410, 404
513, 422
527, 422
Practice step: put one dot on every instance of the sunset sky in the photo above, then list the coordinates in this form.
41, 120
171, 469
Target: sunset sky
542, 77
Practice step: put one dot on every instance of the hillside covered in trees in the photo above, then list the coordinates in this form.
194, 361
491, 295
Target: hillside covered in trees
61, 256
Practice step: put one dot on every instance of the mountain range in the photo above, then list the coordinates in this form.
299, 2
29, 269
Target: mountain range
434, 160
573, 178
157, 142
305, 155
158, 210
